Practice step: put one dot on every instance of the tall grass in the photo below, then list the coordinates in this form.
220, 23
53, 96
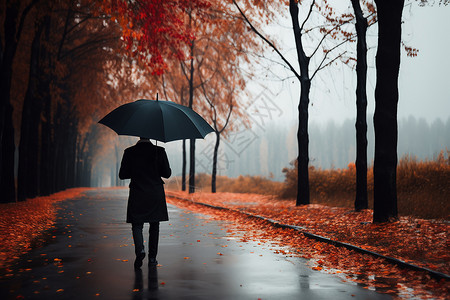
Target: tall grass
242, 184
423, 187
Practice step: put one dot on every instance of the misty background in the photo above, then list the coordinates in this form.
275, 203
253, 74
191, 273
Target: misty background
265, 151
270, 144
332, 145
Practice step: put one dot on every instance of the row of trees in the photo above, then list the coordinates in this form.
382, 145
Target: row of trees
199, 67
388, 61
331, 146
84, 55
52, 52
74, 61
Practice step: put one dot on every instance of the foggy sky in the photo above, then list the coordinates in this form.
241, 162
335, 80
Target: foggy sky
424, 94
424, 81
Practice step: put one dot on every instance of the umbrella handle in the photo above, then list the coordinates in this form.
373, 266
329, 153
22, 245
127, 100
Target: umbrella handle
156, 144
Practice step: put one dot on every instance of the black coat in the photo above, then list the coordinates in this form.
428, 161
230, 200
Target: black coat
145, 164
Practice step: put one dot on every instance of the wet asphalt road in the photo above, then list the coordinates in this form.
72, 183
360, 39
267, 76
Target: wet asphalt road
89, 255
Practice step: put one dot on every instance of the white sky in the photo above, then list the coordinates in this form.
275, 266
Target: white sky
425, 79
424, 82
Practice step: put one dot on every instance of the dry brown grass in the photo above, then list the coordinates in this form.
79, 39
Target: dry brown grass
423, 187
242, 184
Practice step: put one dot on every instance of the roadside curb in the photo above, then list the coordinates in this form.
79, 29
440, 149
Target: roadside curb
400, 263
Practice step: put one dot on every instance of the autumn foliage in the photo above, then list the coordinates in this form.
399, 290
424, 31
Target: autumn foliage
23, 223
417, 241
242, 184
156, 30
422, 186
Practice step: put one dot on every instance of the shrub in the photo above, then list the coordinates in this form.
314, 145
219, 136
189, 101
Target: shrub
241, 184
423, 187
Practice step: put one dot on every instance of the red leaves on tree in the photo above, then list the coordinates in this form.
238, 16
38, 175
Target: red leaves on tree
155, 30
410, 51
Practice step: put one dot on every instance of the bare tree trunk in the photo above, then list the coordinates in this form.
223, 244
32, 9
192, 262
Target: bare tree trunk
48, 154
71, 149
385, 117
7, 181
214, 169
28, 185
7, 185
302, 134
192, 141
12, 27
183, 168
361, 201
29, 146
117, 165
192, 166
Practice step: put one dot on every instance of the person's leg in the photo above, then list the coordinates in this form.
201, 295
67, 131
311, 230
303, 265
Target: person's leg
138, 239
153, 238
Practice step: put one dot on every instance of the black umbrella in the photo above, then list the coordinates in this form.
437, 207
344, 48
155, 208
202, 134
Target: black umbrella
163, 121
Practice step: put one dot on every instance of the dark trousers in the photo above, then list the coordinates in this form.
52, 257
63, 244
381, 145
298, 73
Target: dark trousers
153, 238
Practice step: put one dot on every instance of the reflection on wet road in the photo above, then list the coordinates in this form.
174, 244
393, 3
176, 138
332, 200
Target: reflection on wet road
89, 254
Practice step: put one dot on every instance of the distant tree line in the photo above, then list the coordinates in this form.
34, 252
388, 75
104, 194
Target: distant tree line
332, 145
53, 56
68, 69
417, 137
65, 64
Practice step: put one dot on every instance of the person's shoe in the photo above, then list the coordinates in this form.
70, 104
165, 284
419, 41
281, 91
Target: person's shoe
138, 262
152, 261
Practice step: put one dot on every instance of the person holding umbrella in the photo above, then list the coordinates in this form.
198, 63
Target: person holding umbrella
145, 164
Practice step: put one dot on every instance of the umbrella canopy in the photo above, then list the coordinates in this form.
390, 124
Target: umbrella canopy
163, 121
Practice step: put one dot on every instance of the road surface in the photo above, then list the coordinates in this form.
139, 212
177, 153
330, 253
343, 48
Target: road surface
89, 255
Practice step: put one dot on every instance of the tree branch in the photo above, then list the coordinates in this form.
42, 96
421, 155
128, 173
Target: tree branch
328, 33
228, 118
327, 64
266, 40
66, 24
23, 17
86, 47
328, 52
309, 14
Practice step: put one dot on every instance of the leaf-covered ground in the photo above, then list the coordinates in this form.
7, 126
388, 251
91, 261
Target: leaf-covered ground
420, 242
22, 223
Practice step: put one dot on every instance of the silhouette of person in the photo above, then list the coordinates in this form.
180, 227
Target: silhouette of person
145, 164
